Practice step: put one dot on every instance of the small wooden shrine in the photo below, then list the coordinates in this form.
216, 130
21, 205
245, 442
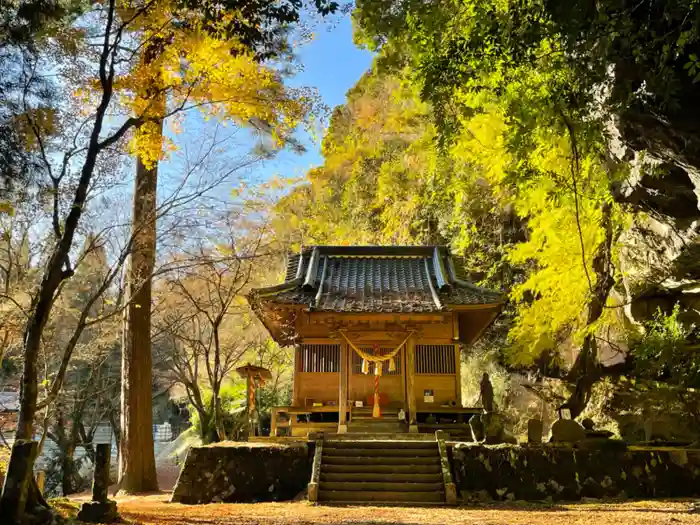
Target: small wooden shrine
377, 332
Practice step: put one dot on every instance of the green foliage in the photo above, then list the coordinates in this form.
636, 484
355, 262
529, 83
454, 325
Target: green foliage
514, 116
665, 351
233, 401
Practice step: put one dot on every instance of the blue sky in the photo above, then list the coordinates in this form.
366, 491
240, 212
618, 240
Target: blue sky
332, 64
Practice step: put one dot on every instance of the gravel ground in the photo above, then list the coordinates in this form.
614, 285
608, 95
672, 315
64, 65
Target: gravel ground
155, 510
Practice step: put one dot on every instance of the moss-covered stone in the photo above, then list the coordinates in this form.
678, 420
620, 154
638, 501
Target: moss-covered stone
243, 472
550, 472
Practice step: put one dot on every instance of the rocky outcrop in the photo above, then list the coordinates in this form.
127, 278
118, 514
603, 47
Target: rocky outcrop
660, 256
243, 472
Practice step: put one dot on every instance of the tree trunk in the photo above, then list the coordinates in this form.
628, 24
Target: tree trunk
218, 418
137, 469
137, 466
68, 469
56, 270
587, 370
203, 425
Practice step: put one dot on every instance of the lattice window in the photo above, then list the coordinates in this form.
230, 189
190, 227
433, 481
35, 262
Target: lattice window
435, 359
319, 358
357, 361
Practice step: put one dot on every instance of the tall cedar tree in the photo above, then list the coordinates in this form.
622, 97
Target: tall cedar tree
260, 27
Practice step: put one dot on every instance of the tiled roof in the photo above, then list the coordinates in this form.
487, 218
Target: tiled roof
375, 279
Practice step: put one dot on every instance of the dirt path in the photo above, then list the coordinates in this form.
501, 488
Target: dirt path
155, 510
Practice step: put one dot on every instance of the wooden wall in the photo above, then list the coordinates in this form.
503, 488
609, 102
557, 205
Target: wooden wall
443, 386
432, 329
319, 386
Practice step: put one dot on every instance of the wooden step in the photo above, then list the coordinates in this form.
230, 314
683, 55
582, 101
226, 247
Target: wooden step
386, 416
373, 467
379, 460
381, 496
380, 451
391, 477
364, 444
369, 409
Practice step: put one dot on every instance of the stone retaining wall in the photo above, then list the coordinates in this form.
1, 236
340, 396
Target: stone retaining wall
250, 472
243, 472
548, 472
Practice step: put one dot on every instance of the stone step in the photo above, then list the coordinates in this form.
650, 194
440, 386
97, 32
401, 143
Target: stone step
391, 477
380, 436
379, 444
381, 451
373, 427
377, 420
381, 496
363, 431
384, 469
379, 460
371, 486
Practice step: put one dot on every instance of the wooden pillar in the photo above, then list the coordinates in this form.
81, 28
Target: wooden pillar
410, 385
343, 389
249, 405
295, 377
273, 421
404, 367
458, 376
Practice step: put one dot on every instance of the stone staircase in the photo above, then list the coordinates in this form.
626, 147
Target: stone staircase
381, 471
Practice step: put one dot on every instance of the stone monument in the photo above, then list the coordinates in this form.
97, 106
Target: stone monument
534, 431
486, 393
101, 509
567, 431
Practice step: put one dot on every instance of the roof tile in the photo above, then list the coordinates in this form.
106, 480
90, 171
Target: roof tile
377, 279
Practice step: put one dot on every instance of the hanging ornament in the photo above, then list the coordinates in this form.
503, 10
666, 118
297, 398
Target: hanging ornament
392, 365
378, 369
365, 366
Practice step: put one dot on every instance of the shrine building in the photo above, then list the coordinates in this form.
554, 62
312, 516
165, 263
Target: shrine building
377, 332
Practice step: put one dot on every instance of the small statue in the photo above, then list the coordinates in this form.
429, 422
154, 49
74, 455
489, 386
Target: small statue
486, 393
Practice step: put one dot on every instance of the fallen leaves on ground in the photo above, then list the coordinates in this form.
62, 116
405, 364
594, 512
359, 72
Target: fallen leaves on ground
156, 510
